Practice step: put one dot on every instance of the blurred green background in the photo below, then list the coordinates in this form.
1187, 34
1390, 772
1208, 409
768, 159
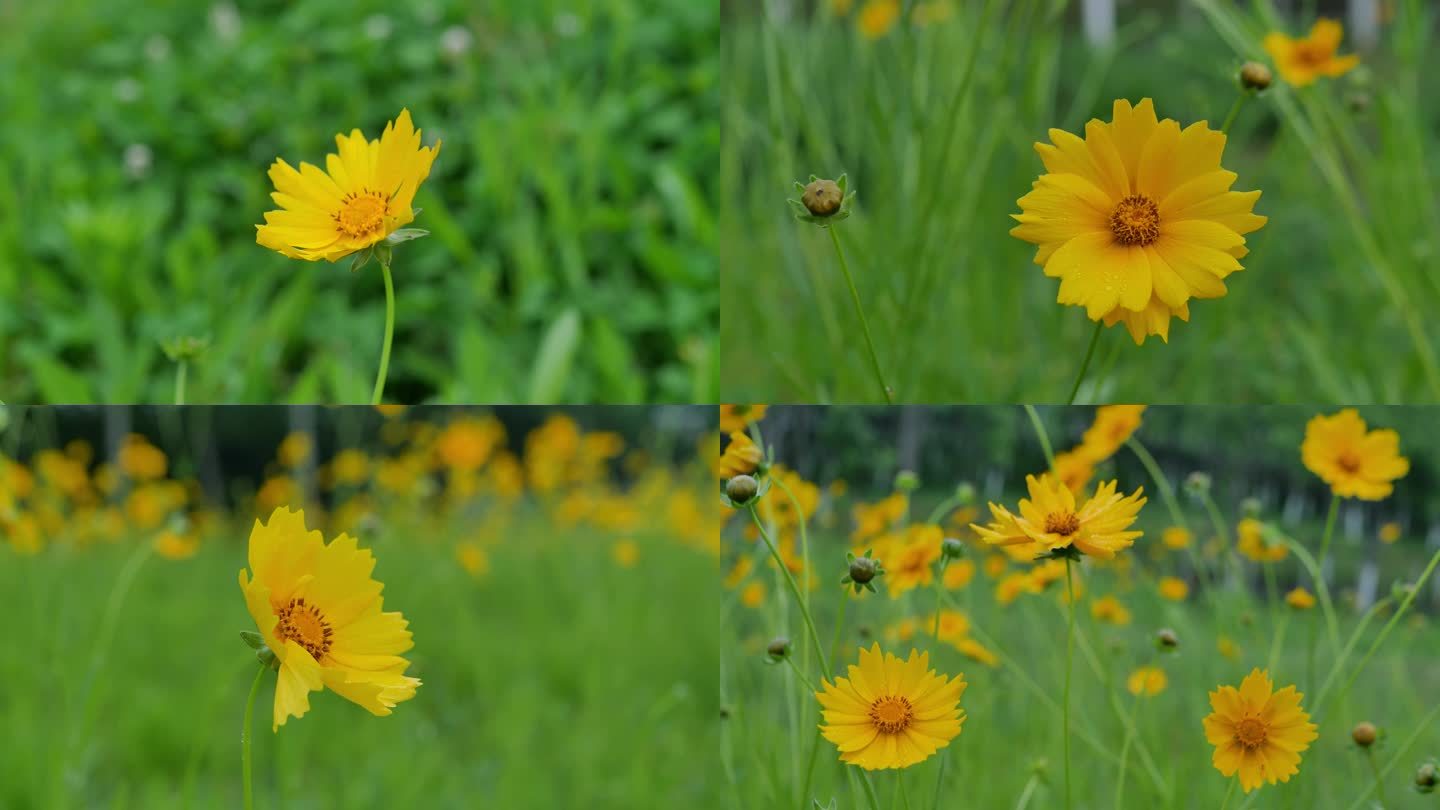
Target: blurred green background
572, 255
935, 125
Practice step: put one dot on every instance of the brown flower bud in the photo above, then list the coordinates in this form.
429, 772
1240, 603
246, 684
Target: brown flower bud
779, 648
1255, 76
741, 489
1364, 734
823, 198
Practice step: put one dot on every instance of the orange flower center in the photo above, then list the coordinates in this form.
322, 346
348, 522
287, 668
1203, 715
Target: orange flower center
1312, 54
304, 625
1349, 462
1062, 523
892, 714
1251, 732
1136, 221
361, 214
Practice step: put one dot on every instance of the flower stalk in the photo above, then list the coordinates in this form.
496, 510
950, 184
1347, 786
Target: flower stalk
383, 254
245, 738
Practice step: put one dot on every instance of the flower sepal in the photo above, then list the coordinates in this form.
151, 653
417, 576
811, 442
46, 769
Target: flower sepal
1069, 552
362, 258
263, 653
823, 202
405, 235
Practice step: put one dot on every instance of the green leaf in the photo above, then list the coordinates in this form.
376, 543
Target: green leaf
553, 361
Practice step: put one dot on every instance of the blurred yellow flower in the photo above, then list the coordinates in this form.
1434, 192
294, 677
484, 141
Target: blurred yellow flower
295, 449
1149, 680
877, 518
739, 417
1176, 537
1227, 647
625, 553
1389, 532
173, 545
1010, 588
1252, 543
958, 574
841, 8
910, 562
1113, 426
1302, 61
466, 444
891, 713
878, 17
1300, 599
995, 565
140, 459
976, 651
349, 468
1355, 464
753, 596
1137, 218
473, 559
741, 457
1075, 469
931, 12
1174, 589
1051, 519
738, 572
363, 196
954, 626
1257, 731
319, 611
1108, 609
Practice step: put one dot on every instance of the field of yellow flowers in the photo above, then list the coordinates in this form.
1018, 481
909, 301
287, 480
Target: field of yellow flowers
1210, 202
1127, 607
515, 658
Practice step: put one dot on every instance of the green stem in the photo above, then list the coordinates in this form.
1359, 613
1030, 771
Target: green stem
808, 683
939, 595
1172, 504
1131, 729
1329, 532
1069, 656
389, 333
1041, 435
870, 791
942, 508
1234, 111
804, 551
1029, 791
1279, 640
1085, 364
1379, 780
904, 795
1390, 625
180, 370
860, 313
1230, 791
790, 581
839, 626
245, 737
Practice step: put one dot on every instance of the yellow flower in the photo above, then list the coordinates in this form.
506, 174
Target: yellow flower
1174, 589
976, 651
1074, 468
738, 572
958, 574
1300, 599
1137, 218
349, 468
878, 17
1227, 647
753, 596
739, 417
931, 13
473, 559
295, 449
891, 713
1257, 731
841, 8
141, 460
1302, 61
954, 626
1051, 520
1390, 532
1109, 610
175, 546
1355, 464
995, 565
319, 611
1010, 588
466, 444
910, 562
1113, 426
625, 553
1253, 544
1150, 680
1176, 537
877, 518
363, 197
741, 456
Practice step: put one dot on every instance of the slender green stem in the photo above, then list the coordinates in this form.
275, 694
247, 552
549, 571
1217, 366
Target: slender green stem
1344, 655
1390, 625
1234, 111
1379, 780
808, 683
904, 795
180, 370
1041, 435
870, 791
1172, 504
839, 626
389, 333
1401, 753
939, 595
1085, 364
1029, 791
942, 508
1329, 532
1069, 656
790, 581
1279, 641
860, 313
804, 550
1230, 791
1131, 730
245, 737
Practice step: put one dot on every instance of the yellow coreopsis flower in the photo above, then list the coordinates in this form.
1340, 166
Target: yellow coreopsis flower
1108, 609
361, 198
1176, 537
1051, 519
1355, 464
878, 17
976, 651
1074, 468
1302, 61
1257, 731
319, 612
741, 457
1300, 599
1252, 543
1174, 589
909, 561
1148, 680
959, 573
1137, 218
739, 417
1389, 532
891, 713
1113, 426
